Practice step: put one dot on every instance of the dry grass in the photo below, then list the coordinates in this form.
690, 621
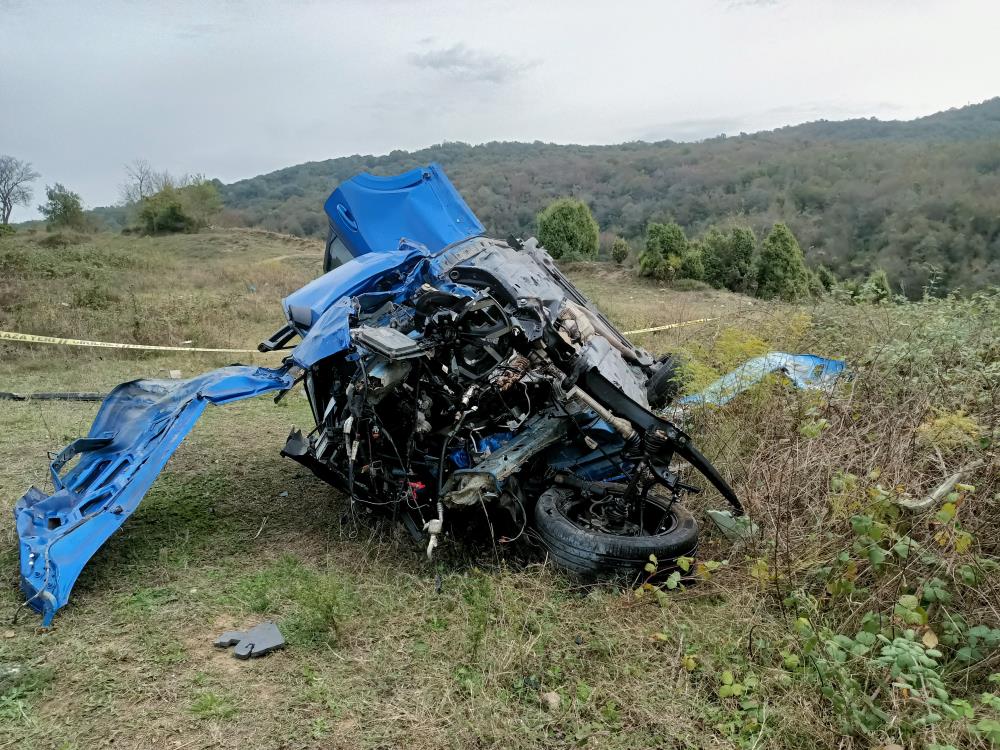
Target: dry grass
377, 658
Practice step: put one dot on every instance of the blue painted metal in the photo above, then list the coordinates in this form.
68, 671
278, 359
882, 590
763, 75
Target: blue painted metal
803, 370
371, 280
137, 429
305, 306
372, 214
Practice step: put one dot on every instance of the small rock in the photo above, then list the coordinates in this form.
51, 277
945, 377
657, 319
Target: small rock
175, 374
9, 634
551, 701
283, 494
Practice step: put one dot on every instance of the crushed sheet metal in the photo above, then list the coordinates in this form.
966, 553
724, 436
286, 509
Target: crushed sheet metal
137, 429
803, 370
31, 338
668, 326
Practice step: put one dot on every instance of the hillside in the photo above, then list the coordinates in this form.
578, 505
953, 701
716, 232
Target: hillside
814, 632
907, 196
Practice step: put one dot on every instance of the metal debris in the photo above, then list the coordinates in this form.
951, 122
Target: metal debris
259, 640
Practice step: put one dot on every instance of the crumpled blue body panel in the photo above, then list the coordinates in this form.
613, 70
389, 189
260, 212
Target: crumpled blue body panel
304, 306
372, 214
803, 370
373, 279
137, 429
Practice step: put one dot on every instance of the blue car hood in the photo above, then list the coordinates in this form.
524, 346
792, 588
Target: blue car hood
373, 214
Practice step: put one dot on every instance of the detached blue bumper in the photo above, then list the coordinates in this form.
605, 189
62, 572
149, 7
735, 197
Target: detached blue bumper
139, 426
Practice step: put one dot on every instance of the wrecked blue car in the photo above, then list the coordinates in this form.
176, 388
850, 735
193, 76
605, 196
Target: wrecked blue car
450, 375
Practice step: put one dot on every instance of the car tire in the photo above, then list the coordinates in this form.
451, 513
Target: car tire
600, 555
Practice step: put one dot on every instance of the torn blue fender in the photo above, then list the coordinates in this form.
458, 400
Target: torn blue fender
803, 370
137, 429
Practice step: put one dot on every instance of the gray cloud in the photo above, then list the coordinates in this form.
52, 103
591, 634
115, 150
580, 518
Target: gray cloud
461, 62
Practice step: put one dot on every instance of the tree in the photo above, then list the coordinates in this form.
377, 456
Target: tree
16, 177
665, 249
141, 181
691, 266
742, 249
781, 269
619, 250
715, 254
728, 258
567, 229
180, 209
63, 208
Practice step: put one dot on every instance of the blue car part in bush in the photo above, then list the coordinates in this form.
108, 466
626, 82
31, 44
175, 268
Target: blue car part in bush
137, 429
803, 370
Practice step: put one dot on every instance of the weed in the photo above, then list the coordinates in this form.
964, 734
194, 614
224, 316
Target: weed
209, 705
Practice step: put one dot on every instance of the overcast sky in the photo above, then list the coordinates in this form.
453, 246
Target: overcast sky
235, 88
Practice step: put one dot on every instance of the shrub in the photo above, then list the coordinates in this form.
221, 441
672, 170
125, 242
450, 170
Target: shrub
6, 230
180, 209
619, 250
61, 239
665, 247
876, 288
567, 229
689, 285
826, 277
781, 270
728, 258
691, 266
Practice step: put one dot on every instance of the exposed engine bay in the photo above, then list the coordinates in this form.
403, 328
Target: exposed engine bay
494, 381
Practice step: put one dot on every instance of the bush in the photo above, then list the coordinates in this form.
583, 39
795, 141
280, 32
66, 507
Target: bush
619, 250
180, 209
61, 239
826, 277
728, 258
691, 266
689, 285
781, 269
876, 288
883, 617
567, 229
6, 230
666, 246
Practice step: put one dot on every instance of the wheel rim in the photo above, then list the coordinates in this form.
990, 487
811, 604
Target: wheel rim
608, 516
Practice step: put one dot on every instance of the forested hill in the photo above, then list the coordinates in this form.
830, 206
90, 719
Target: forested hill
909, 197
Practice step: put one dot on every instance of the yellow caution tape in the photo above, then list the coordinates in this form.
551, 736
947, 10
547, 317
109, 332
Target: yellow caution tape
34, 339
669, 326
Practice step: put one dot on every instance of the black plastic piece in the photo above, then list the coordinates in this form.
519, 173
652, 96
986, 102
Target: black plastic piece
610, 396
278, 339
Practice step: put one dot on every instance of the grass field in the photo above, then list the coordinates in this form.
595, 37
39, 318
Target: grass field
508, 653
